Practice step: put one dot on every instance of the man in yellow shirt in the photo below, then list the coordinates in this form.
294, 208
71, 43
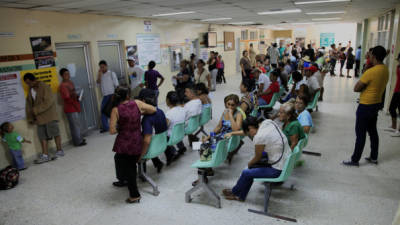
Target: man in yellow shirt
371, 87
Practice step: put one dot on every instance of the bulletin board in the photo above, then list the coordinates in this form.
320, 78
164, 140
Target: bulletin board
229, 41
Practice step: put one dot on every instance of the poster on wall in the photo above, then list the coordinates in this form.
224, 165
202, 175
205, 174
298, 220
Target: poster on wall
46, 75
326, 39
148, 46
42, 52
147, 25
204, 54
12, 98
176, 55
131, 51
229, 41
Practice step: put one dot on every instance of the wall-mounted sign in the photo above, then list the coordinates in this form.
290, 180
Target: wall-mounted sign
147, 26
12, 99
326, 39
42, 52
46, 75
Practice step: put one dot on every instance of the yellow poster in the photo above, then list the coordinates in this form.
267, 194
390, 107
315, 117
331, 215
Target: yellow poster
46, 75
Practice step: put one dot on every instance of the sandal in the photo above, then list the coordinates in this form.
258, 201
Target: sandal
134, 200
227, 192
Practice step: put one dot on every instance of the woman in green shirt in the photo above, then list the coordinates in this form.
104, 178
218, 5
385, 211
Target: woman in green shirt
291, 126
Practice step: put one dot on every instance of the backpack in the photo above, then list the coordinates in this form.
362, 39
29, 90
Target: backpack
8, 178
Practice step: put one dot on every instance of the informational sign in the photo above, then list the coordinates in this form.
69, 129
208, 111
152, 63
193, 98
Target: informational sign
42, 52
204, 54
147, 26
132, 51
12, 99
148, 48
326, 39
47, 75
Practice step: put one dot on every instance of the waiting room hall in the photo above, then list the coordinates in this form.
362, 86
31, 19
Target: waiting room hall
200, 112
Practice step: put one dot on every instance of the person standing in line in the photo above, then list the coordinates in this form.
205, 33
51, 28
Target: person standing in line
201, 75
395, 103
221, 67
212, 67
274, 55
350, 61
41, 110
371, 87
342, 59
128, 145
135, 74
252, 55
72, 107
245, 65
333, 57
150, 78
108, 81
358, 61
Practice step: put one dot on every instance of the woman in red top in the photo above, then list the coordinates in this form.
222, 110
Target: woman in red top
72, 107
395, 103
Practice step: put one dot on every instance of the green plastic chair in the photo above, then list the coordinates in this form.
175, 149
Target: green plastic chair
286, 172
233, 143
254, 113
193, 124
218, 156
205, 117
271, 104
157, 146
177, 134
290, 80
314, 103
281, 91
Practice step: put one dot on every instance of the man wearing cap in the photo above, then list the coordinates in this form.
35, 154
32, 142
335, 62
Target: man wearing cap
135, 74
312, 81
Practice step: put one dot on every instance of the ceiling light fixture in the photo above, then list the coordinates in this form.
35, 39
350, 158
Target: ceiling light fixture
173, 14
326, 19
280, 12
320, 1
303, 23
215, 19
325, 13
243, 23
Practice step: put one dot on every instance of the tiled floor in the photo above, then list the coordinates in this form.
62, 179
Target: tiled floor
77, 189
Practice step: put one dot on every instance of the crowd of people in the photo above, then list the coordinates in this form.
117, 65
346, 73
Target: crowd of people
293, 73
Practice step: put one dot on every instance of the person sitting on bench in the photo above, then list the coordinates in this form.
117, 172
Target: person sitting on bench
304, 115
291, 126
271, 152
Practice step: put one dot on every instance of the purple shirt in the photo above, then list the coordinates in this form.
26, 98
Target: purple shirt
151, 78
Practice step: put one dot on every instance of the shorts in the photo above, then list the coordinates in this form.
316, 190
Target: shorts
48, 131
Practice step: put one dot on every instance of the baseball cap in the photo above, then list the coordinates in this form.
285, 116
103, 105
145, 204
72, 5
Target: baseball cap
131, 58
313, 69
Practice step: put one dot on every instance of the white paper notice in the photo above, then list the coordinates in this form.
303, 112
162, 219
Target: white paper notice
229, 44
148, 48
12, 97
72, 69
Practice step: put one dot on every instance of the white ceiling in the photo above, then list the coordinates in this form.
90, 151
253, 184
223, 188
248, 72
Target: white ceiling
238, 10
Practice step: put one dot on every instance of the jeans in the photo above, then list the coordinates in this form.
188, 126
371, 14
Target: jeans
74, 126
394, 104
214, 73
333, 65
243, 185
17, 158
104, 117
125, 168
366, 118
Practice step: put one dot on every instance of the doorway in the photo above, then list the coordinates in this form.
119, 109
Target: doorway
113, 53
75, 57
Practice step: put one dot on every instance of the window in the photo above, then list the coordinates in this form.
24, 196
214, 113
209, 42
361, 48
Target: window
244, 35
253, 35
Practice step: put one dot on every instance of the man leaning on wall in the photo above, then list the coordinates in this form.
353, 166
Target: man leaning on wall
41, 110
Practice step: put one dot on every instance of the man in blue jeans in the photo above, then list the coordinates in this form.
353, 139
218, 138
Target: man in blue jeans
108, 81
371, 87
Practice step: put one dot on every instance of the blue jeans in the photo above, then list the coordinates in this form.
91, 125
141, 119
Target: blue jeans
366, 118
18, 161
104, 118
243, 185
261, 101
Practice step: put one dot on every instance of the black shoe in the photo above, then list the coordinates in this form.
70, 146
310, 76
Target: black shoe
120, 183
182, 151
348, 76
103, 131
159, 167
350, 163
83, 143
373, 161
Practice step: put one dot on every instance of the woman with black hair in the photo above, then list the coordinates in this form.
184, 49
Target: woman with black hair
271, 153
128, 144
249, 99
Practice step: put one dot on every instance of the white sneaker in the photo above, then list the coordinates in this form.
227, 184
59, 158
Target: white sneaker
390, 129
396, 134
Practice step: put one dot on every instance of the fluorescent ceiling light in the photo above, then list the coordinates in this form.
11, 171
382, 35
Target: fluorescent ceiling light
304, 23
326, 19
243, 23
215, 19
280, 12
325, 13
319, 1
173, 14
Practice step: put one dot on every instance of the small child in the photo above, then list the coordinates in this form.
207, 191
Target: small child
13, 140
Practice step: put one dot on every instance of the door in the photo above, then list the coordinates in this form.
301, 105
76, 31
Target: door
75, 58
238, 55
112, 53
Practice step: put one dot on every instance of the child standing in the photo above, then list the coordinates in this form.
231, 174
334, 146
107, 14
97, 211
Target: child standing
14, 141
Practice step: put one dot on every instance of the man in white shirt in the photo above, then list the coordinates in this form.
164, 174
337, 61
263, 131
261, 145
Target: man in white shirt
262, 80
312, 81
192, 108
135, 74
108, 81
274, 55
